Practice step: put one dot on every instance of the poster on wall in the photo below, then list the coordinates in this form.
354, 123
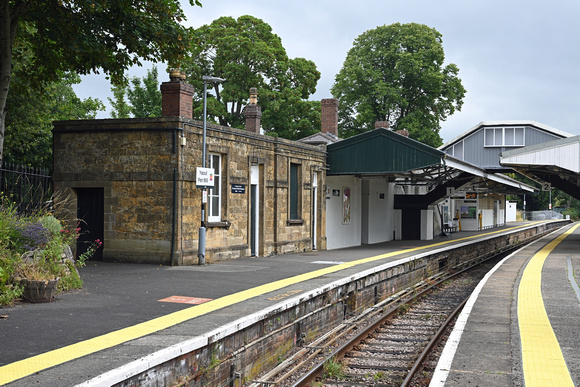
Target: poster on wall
468, 212
346, 205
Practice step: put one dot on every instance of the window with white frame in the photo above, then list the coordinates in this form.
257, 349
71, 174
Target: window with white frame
495, 137
214, 196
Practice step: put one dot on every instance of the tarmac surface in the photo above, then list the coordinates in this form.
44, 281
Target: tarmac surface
120, 299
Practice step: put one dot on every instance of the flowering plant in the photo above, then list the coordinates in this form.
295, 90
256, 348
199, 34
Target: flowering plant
37, 247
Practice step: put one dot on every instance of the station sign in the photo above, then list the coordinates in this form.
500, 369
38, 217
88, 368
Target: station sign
204, 177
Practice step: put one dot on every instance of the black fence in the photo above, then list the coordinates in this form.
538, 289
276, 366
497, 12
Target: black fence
28, 187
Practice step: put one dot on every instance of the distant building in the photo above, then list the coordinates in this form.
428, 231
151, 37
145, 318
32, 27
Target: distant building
483, 144
474, 207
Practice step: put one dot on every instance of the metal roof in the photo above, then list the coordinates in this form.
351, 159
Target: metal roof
380, 152
483, 124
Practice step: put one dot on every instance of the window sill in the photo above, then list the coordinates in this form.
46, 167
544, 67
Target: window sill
295, 222
225, 224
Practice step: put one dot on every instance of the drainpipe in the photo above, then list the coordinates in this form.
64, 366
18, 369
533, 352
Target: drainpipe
173, 217
276, 212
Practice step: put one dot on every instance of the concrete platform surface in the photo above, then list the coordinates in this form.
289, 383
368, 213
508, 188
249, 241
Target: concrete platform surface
75, 338
491, 344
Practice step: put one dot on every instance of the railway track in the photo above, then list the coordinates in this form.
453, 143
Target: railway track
389, 343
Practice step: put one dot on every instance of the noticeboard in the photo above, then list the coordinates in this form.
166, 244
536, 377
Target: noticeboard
238, 188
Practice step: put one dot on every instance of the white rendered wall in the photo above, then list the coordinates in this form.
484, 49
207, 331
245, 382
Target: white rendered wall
379, 215
427, 224
398, 224
511, 212
339, 234
487, 220
501, 217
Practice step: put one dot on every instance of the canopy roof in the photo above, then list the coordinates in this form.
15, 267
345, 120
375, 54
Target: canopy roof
555, 162
378, 152
382, 153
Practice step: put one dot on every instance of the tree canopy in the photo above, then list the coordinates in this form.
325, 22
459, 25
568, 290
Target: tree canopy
395, 73
140, 99
246, 53
86, 36
29, 124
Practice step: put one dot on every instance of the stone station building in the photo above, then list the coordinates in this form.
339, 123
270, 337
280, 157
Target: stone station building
133, 183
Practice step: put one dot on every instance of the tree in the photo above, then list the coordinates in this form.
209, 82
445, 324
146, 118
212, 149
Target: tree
144, 100
395, 73
86, 36
246, 53
29, 124
121, 108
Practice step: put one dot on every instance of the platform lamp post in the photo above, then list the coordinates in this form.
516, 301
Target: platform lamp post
201, 248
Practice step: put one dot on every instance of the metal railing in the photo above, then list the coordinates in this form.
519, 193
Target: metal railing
542, 215
29, 188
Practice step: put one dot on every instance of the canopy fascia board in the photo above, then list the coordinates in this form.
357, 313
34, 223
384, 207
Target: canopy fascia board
476, 171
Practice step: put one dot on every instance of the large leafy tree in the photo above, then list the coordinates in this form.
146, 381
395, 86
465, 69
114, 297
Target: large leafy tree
396, 73
142, 98
248, 54
86, 36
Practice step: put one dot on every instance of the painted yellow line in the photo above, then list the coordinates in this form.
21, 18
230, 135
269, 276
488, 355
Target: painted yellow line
542, 358
28, 366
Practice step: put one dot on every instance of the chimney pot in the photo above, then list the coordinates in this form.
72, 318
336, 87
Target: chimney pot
174, 75
253, 95
382, 124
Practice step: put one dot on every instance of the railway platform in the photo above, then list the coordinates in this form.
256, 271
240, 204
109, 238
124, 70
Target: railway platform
520, 326
130, 319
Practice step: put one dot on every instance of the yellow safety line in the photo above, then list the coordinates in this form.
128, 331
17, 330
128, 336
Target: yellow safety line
542, 358
28, 366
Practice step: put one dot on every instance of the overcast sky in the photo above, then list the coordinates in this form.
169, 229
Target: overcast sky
518, 60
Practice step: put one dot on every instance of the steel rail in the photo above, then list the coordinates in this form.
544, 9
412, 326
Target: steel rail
315, 372
418, 363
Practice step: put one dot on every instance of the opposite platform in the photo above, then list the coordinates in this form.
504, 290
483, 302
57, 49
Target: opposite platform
521, 325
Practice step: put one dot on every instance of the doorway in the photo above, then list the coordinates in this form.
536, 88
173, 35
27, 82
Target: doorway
90, 212
314, 222
254, 210
411, 224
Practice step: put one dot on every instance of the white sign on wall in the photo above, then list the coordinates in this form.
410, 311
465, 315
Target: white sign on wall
204, 177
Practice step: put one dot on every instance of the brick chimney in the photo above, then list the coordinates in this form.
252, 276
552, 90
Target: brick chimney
253, 112
329, 116
176, 96
403, 132
382, 124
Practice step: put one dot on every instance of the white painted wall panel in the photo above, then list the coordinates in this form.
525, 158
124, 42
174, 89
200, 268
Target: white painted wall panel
340, 235
380, 215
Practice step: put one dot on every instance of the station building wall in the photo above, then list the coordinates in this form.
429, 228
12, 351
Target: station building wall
145, 173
